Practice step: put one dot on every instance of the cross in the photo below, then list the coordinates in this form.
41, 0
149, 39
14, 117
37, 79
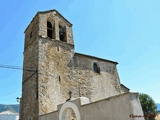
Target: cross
70, 93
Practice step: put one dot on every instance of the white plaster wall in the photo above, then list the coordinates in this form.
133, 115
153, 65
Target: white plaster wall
118, 107
49, 116
115, 108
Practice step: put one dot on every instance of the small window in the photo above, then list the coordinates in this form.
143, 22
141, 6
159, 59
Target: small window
49, 30
59, 78
57, 48
62, 34
96, 68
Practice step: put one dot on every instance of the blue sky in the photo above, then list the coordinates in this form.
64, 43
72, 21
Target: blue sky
126, 31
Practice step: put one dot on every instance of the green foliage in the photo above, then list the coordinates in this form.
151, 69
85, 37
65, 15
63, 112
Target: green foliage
13, 108
148, 106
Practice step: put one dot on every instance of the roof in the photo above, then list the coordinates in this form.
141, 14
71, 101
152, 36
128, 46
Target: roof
8, 112
42, 12
125, 86
47, 11
96, 58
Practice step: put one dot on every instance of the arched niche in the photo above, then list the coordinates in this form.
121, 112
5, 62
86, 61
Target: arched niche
69, 111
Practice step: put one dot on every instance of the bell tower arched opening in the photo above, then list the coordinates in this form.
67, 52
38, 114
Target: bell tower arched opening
62, 34
50, 30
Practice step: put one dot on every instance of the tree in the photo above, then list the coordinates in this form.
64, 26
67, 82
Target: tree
148, 106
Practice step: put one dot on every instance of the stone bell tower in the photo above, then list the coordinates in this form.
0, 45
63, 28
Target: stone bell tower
53, 73
49, 46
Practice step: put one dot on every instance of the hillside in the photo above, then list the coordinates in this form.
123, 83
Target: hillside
13, 108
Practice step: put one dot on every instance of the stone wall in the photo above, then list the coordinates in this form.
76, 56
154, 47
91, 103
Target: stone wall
92, 85
29, 101
31, 32
54, 81
61, 70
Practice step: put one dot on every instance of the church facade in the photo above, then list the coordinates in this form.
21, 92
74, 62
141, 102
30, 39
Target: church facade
55, 74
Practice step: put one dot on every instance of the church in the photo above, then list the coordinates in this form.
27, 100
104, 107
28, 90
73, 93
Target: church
60, 84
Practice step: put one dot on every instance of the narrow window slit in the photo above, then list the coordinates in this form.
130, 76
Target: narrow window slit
59, 78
